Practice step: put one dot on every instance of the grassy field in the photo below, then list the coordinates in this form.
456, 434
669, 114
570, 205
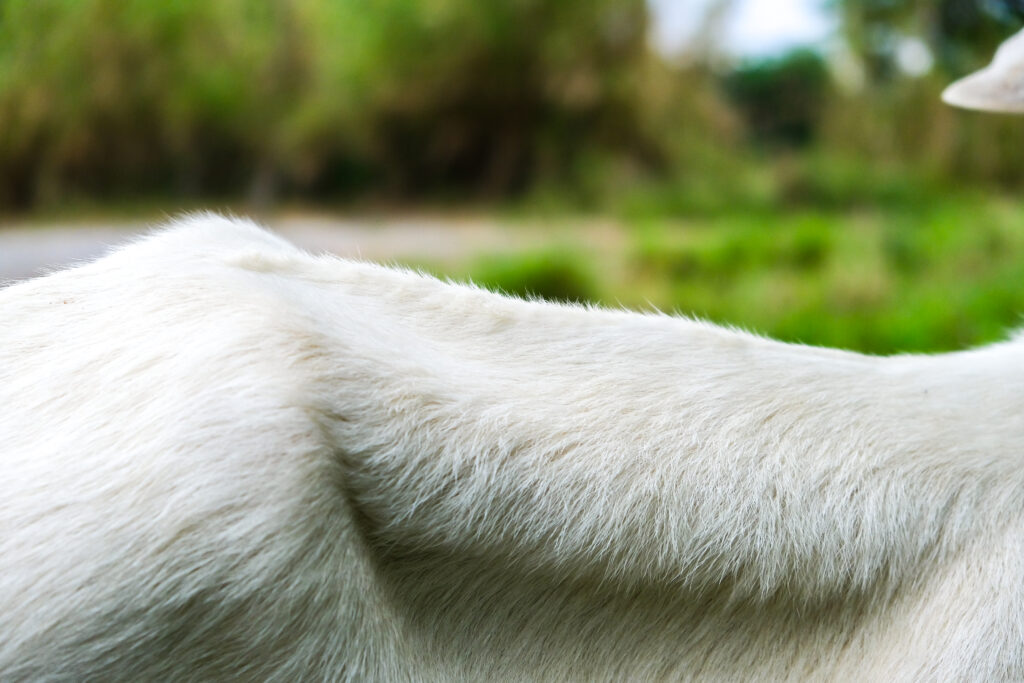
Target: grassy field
941, 275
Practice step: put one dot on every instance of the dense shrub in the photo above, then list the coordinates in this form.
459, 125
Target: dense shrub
560, 99
552, 275
782, 99
323, 96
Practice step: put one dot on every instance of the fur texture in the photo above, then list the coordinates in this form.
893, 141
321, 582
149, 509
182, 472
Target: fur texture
223, 458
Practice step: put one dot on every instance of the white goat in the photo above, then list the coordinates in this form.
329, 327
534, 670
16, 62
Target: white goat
224, 458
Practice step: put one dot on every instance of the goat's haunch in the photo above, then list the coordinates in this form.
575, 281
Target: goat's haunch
221, 457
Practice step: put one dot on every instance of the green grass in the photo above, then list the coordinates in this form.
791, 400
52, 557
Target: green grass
943, 275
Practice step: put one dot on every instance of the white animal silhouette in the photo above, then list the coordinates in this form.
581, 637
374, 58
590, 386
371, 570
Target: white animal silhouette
225, 458
222, 458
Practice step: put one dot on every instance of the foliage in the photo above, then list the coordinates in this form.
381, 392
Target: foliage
782, 98
912, 276
962, 33
329, 99
555, 275
104, 96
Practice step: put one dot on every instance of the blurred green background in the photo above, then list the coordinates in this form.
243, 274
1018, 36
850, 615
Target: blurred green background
811, 189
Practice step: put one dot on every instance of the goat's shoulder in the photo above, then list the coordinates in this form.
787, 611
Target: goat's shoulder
167, 315
208, 234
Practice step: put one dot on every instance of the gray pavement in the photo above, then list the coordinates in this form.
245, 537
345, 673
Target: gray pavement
27, 250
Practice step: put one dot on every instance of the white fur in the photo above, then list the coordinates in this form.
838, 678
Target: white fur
223, 458
999, 87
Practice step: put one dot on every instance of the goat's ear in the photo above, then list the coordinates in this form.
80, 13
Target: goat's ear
999, 87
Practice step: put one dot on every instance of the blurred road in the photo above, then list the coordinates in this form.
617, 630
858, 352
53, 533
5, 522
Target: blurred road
27, 250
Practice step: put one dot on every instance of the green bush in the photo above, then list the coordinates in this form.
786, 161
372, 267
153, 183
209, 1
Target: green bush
323, 96
935, 276
555, 275
782, 99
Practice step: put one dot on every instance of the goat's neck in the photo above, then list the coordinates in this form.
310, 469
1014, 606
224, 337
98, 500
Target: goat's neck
645, 448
